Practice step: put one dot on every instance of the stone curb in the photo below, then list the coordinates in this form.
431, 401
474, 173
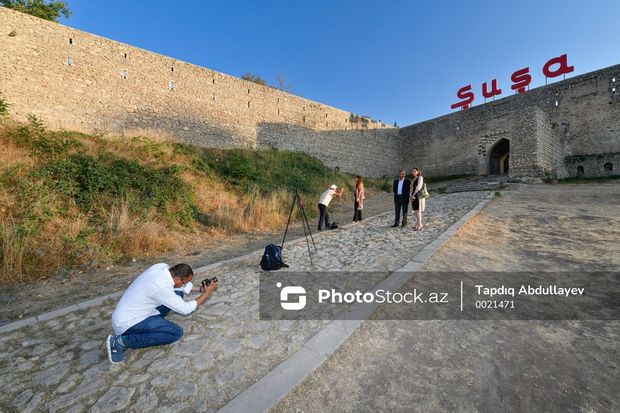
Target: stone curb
275, 385
57, 313
98, 300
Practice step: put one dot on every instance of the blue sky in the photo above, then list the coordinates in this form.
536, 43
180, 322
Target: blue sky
394, 60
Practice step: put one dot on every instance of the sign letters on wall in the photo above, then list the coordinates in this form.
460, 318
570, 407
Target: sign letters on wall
521, 79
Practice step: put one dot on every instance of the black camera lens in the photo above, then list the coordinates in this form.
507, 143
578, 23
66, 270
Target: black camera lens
208, 281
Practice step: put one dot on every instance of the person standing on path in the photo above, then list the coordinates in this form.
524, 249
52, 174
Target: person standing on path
401, 189
139, 318
324, 200
417, 203
358, 205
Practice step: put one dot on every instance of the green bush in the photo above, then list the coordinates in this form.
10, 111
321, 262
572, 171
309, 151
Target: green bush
35, 138
264, 171
4, 106
93, 181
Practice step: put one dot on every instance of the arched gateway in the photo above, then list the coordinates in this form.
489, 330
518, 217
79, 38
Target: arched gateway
499, 157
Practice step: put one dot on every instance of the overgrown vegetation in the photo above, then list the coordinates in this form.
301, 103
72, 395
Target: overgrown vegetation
251, 77
281, 83
588, 180
48, 10
70, 200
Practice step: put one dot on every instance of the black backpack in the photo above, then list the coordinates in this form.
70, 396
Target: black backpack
272, 258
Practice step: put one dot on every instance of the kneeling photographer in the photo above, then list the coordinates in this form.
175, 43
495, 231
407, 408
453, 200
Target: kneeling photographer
139, 318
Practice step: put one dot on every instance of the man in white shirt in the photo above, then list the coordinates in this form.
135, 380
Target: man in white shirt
138, 320
324, 200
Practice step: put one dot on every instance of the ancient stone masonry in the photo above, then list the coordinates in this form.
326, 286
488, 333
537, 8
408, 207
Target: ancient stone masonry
75, 80
547, 129
365, 152
604, 164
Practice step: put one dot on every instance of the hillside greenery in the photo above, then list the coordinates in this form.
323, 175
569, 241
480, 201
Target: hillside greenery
71, 200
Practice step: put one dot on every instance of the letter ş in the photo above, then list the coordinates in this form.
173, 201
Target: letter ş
521, 80
467, 97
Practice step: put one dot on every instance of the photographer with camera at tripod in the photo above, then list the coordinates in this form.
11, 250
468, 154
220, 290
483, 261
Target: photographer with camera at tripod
139, 318
324, 200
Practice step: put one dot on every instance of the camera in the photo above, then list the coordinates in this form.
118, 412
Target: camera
204, 283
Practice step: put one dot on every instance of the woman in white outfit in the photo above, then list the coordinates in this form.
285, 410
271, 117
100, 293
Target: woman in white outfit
417, 203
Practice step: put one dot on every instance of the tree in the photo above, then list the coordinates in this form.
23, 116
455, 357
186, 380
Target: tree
282, 84
251, 77
40, 8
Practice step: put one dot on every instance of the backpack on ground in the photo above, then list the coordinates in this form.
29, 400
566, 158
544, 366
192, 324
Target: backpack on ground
272, 258
333, 225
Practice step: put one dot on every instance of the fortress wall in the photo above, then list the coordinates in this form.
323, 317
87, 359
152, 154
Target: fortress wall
577, 116
75, 80
605, 164
365, 152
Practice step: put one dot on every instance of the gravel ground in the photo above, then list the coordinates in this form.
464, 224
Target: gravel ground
491, 366
61, 365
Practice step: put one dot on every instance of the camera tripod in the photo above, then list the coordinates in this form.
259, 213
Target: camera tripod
304, 222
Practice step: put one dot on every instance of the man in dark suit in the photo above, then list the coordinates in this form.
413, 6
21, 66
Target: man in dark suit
401, 189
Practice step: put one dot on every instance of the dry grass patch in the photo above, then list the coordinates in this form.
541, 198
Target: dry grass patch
12, 251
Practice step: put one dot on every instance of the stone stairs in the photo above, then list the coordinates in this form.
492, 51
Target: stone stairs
477, 183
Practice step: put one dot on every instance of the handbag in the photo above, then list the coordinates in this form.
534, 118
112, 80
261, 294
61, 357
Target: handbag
423, 193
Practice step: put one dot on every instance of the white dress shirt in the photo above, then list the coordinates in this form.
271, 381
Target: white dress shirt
399, 190
326, 197
152, 288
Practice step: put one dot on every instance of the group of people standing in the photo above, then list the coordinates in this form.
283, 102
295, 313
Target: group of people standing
404, 191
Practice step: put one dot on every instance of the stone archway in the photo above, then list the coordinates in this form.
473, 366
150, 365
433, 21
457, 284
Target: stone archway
499, 158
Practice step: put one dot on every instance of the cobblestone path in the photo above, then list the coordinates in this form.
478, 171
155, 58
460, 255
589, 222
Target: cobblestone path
60, 365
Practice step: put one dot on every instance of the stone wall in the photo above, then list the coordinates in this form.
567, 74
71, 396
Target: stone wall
75, 80
364, 152
604, 164
578, 116
78, 81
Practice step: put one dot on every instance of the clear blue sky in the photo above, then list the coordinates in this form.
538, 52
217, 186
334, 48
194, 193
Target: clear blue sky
393, 60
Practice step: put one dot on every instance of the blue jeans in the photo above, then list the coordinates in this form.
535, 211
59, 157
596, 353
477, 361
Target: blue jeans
153, 331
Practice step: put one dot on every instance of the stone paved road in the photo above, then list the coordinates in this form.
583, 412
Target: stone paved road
61, 365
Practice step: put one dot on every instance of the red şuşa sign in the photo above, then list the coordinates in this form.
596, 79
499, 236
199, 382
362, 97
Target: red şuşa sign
520, 81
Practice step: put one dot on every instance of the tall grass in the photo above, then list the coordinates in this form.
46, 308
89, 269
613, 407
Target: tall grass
12, 251
70, 200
